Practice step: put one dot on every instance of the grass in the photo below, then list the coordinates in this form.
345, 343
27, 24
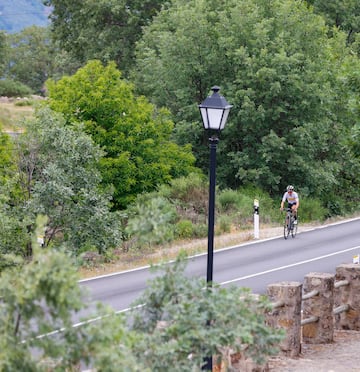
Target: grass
138, 258
135, 259
11, 115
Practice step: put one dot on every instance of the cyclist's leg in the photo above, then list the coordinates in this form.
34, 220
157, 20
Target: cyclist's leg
287, 220
294, 212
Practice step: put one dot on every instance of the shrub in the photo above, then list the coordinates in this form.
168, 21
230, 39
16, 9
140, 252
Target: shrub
200, 230
184, 229
24, 102
191, 192
236, 205
91, 259
228, 199
12, 88
223, 225
312, 210
152, 222
269, 208
173, 318
335, 205
10, 261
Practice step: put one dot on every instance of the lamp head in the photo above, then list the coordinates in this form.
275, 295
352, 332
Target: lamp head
214, 111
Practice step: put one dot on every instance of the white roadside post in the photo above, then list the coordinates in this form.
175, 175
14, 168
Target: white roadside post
256, 219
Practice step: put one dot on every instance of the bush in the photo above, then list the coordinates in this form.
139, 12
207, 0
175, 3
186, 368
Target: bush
312, 210
10, 261
228, 200
191, 192
223, 225
91, 259
12, 88
24, 102
184, 229
335, 205
200, 230
173, 318
151, 222
236, 205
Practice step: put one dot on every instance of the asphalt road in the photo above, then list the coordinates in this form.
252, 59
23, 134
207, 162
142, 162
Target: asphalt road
253, 265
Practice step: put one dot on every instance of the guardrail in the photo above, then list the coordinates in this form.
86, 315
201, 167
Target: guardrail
310, 312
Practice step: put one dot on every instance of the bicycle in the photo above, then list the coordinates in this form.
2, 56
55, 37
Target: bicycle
289, 226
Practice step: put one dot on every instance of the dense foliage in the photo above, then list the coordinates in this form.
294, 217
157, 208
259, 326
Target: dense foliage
175, 315
30, 58
343, 14
170, 330
291, 78
104, 29
291, 70
294, 110
36, 299
7, 163
3, 51
293, 82
57, 176
12, 88
135, 135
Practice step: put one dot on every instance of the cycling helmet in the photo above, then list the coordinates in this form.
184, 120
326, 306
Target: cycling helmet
290, 188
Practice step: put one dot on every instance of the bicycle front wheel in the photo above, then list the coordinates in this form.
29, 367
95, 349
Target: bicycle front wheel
294, 230
286, 229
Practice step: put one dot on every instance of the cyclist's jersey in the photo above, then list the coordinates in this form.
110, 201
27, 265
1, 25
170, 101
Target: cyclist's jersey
292, 198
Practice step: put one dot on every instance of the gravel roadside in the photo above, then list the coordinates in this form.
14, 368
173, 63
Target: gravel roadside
338, 356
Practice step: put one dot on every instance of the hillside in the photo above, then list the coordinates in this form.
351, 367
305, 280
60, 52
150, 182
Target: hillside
19, 14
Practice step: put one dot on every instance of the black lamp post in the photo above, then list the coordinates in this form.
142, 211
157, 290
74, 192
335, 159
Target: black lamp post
214, 112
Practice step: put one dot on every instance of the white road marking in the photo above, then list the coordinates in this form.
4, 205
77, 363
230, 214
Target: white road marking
223, 283
220, 250
290, 265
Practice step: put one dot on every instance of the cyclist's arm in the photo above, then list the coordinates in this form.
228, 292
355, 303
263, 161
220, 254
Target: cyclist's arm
297, 203
282, 202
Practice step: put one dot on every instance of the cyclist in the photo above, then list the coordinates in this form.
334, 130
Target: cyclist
292, 199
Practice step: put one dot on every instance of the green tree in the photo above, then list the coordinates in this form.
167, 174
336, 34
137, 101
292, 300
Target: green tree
344, 14
3, 51
30, 59
348, 155
59, 178
7, 163
280, 70
13, 236
105, 29
37, 299
38, 302
174, 315
63, 63
136, 137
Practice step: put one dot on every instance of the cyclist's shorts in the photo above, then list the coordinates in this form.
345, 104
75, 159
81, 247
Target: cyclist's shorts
290, 205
